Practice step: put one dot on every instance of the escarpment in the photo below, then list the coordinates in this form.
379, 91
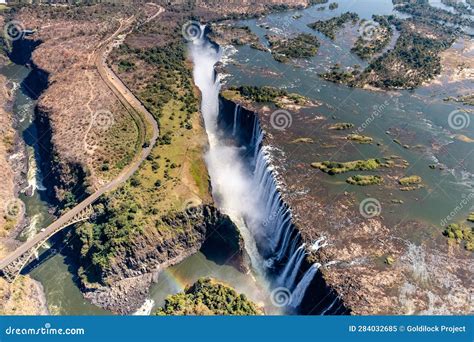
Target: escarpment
131, 262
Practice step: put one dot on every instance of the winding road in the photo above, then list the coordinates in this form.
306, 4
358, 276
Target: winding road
131, 103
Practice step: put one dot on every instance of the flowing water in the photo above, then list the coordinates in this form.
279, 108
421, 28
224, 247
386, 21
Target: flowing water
32, 194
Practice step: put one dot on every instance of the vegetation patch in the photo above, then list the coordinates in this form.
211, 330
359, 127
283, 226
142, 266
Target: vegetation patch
364, 180
330, 27
334, 168
464, 99
470, 218
460, 234
302, 46
361, 139
414, 59
410, 180
281, 98
229, 33
303, 140
380, 37
341, 126
208, 297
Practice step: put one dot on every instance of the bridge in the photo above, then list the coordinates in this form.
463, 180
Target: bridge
12, 264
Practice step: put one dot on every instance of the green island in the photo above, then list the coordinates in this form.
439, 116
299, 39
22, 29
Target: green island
364, 180
421, 10
366, 47
279, 97
303, 140
460, 233
470, 218
361, 139
302, 46
330, 27
341, 126
409, 180
410, 183
347, 76
208, 297
224, 34
413, 60
333, 168
333, 6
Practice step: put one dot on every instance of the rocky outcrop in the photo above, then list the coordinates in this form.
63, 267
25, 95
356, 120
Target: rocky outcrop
125, 283
24, 297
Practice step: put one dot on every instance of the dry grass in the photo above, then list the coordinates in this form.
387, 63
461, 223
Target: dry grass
77, 93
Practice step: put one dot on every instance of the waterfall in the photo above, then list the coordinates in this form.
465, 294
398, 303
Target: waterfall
300, 290
330, 306
228, 171
236, 115
288, 276
244, 185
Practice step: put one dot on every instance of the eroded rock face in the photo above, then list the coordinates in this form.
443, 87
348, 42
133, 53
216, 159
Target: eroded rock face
125, 283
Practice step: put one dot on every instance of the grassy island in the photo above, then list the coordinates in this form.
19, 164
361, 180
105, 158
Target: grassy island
410, 180
361, 139
280, 98
341, 126
334, 168
208, 297
364, 180
470, 218
460, 234
330, 27
410, 183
